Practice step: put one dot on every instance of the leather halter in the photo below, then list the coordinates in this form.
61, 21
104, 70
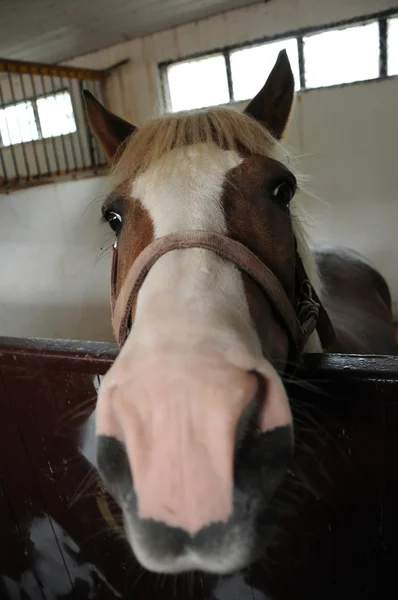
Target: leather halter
298, 320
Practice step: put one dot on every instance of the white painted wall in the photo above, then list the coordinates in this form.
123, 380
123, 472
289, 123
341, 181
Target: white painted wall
50, 237
53, 280
347, 138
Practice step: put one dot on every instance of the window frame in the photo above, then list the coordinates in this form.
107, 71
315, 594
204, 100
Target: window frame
381, 17
165, 82
33, 100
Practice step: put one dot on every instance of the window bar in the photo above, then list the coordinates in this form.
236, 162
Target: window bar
71, 136
90, 137
227, 59
77, 103
300, 48
44, 142
99, 88
164, 84
11, 145
383, 41
96, 146
4, 176
54, 91
54, 145
34, 142
12, 90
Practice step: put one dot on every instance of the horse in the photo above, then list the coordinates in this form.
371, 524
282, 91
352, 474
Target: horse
216, 294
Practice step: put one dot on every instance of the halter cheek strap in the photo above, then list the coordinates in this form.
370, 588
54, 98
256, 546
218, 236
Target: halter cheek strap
298, 321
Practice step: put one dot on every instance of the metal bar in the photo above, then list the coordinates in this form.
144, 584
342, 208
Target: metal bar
90, 137
300, 48
37, 124
164, 85
102, 84
44, 142
75, 105
99, 86
97, 92
12, 150
101, 93
227, 59
4, 178
54, 145
383, 41
61, 136
20, 132
71, 136
91, 88
25, 67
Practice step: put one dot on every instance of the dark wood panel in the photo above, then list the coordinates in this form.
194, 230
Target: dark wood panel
20, 505
58, 528
64, 524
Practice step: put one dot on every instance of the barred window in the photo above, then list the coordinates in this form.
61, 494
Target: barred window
330, 56
43, 117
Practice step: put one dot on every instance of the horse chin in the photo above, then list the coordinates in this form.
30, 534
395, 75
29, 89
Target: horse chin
220, 560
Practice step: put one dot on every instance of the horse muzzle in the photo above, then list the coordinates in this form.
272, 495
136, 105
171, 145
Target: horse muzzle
178, 442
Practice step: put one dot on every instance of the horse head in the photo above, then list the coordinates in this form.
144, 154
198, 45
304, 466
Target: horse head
193, 424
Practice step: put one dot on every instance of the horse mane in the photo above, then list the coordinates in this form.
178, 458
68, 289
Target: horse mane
225, 127
228, 129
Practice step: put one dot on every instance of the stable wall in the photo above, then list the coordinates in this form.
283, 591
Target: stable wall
54, 275
347, 138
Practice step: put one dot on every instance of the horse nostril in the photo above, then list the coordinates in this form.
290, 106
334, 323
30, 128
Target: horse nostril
249, 422
113, 465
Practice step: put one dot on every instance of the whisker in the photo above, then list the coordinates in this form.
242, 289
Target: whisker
88, 480
141, 573
82, 406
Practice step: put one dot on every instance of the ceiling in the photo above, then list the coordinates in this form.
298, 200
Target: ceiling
57, 30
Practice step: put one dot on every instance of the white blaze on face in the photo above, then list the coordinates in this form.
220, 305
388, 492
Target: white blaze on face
190, 292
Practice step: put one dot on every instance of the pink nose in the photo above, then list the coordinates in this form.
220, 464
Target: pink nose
181, 429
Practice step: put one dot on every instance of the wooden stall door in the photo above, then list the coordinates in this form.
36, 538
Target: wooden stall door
59, 533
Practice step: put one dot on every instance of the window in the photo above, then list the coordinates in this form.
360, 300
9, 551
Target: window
250, 67
342, 56
56, 115
18, 124
198, 83
335, 56
43, 117
392, 51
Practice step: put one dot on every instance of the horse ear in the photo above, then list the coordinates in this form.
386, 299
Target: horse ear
110, 130
272, 105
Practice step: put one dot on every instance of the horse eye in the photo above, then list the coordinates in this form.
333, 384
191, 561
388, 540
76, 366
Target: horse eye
283, 193
114, 221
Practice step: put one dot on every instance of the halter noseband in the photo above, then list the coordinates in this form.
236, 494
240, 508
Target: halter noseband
299, 321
